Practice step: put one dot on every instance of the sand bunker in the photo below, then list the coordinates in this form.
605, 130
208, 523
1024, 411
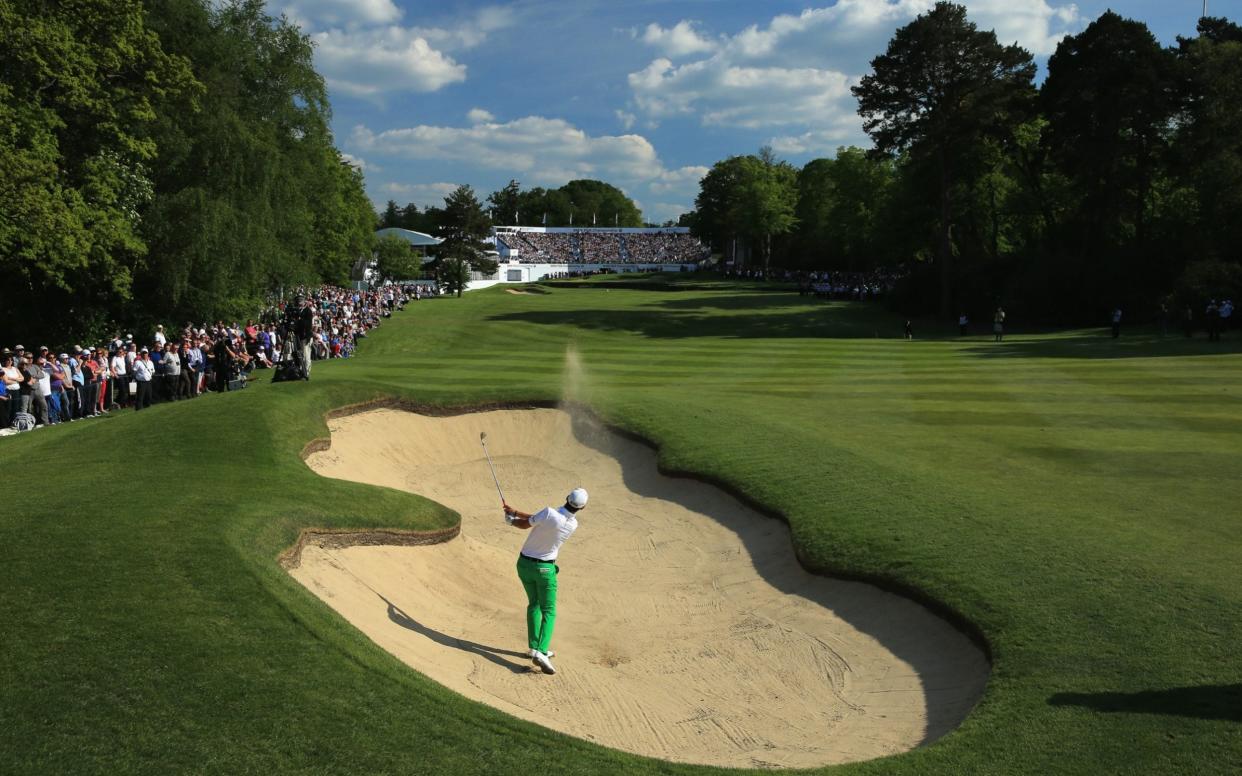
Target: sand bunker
686, 629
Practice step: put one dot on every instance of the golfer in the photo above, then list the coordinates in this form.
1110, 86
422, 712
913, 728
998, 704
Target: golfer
537, 569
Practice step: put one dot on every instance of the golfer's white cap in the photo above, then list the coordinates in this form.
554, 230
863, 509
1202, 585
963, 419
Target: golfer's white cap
577, 498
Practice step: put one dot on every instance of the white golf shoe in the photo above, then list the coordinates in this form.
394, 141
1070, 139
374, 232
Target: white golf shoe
544, 663
533, 652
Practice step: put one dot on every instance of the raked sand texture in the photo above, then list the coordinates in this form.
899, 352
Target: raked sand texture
686, 629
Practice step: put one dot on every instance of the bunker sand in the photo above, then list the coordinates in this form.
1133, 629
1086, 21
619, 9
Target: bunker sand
686, 629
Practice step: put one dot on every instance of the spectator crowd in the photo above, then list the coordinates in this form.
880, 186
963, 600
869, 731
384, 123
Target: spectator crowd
604, 246
43, 387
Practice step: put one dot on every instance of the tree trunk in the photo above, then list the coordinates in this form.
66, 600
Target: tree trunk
945, 251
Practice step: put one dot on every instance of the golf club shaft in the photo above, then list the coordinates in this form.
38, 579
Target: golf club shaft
493, 469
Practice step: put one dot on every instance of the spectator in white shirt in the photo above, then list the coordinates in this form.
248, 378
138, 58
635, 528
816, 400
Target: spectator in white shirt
144, 370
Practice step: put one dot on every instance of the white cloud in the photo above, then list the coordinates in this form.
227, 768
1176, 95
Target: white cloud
684, 180
311, 13
421, 194
659, 212
626, 118
360, 53
369, 62
677, 41
479, 116
358, 162
540, 150
818, 141
1033, 24
471, 32
797, 69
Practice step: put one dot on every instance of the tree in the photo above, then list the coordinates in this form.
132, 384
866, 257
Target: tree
391, 217
716, 205
454, 274
748, 197
250, 191
602, 204
463, 228
942, 85
841, 204
507, 203
1108, 99
1208, 149
765, 202
80, 84
395, 259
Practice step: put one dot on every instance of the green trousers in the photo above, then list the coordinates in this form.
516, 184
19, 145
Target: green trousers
539, 580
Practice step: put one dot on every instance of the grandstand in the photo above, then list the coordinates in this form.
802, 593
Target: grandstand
600, 248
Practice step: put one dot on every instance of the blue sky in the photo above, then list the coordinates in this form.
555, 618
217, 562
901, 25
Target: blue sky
643, 94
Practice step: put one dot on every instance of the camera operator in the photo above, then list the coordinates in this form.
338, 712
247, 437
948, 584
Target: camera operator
304, 329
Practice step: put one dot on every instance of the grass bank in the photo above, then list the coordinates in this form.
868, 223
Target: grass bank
1073, 496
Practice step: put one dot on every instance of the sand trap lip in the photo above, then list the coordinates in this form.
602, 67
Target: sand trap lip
686, 628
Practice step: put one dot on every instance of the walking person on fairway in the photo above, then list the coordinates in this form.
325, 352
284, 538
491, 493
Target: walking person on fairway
536, 567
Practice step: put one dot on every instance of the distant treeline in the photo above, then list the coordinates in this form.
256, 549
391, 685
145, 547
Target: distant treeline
1117, 181
163, 160
577, 203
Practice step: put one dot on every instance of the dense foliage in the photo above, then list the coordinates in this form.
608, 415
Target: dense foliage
464, 228
163, 160
1115, 182
577, 203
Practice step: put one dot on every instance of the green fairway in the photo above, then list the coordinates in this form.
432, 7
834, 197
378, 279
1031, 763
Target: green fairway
1073, 497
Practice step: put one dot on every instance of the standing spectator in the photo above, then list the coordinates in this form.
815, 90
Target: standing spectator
224, 356
1213, 321
36, 378
103, 374
1116, 322
909, 329
172, 372
119, 379
58, 410
87, 391
79, 382
10, 391
58, 370
1226, 314
305, 332
998, 324
144, 371
160, 339
1188, 321
1164, 319
191, 366
963, 325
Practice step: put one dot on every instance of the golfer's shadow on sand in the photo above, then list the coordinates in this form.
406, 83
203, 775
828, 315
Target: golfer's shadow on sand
490, 654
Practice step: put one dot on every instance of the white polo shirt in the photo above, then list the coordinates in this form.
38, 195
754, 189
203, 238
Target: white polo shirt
549, 528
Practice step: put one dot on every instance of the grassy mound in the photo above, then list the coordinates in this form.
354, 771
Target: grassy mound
1072, 496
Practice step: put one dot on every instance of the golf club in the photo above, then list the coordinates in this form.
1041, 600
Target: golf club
483, 441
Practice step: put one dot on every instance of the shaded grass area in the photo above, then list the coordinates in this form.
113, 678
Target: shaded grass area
1073, 496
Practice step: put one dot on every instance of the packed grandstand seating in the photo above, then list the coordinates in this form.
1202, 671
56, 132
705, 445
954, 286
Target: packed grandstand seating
588, 246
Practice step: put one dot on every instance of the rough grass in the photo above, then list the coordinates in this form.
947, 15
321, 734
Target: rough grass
1074, 497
